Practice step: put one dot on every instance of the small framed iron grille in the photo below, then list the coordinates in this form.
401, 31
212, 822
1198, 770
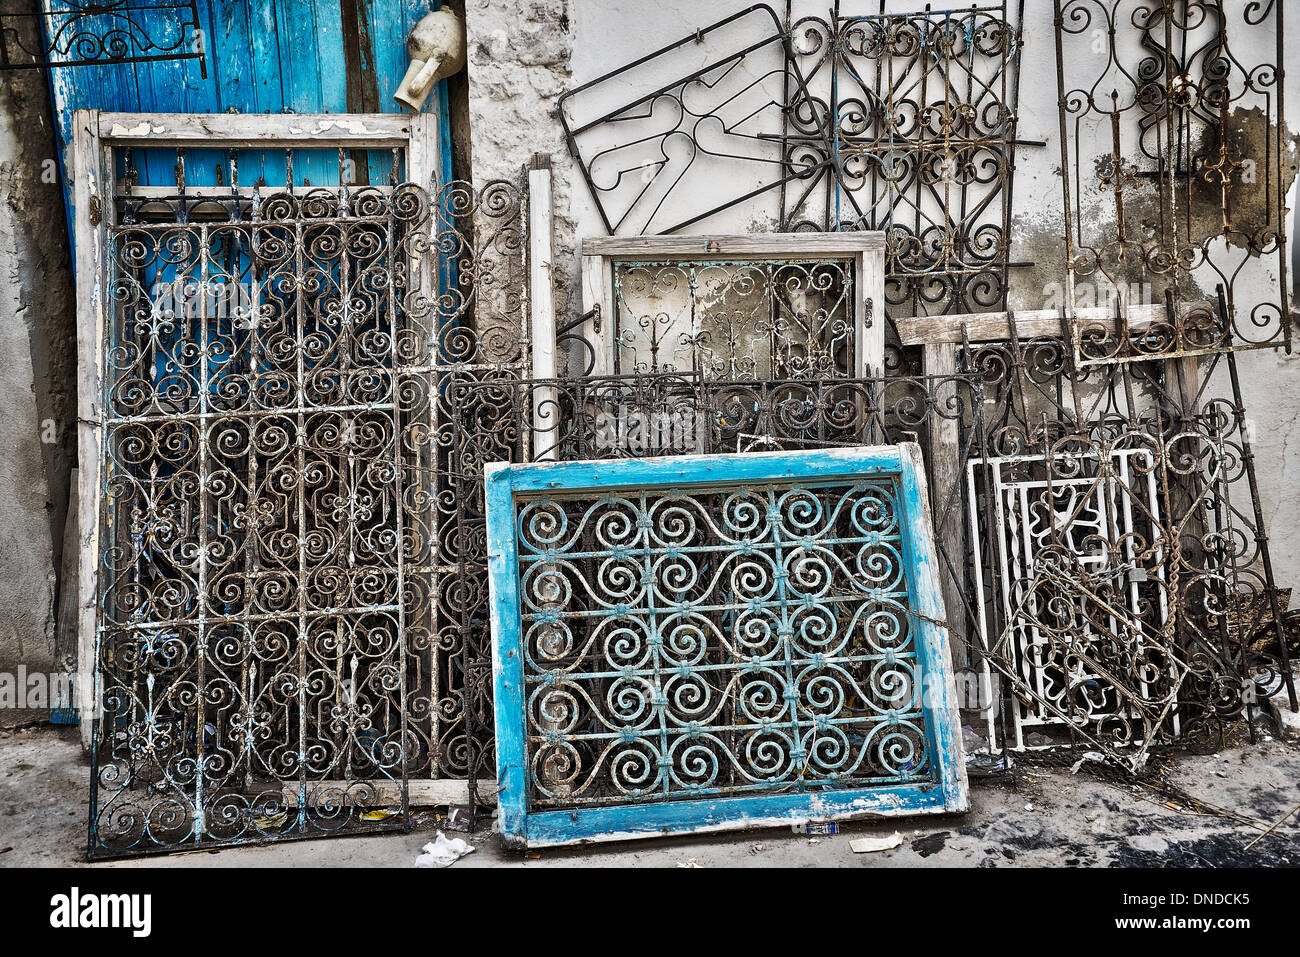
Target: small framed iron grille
733, 307
922, 113
756, 319
701, 642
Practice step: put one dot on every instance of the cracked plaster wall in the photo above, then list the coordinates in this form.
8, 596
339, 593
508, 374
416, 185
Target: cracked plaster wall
37, 379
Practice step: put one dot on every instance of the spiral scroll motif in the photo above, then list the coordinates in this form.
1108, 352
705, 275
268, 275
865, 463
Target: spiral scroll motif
722, 641
284, 572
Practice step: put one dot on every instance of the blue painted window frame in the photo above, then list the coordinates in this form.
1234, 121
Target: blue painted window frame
504, 483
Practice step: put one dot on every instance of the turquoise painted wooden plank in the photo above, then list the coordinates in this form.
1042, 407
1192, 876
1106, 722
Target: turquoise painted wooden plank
507, 660
234, 78
264, 35
300, 65
329, 44
268, 78
942, 790
387, 27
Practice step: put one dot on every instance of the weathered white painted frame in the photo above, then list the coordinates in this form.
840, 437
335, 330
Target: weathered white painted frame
95, 135
541, 303
865, 249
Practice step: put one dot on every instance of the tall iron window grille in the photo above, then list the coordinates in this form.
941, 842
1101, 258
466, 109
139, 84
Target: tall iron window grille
922, 121
282, 579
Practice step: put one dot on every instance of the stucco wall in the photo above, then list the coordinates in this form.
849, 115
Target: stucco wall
37, 378
523, 55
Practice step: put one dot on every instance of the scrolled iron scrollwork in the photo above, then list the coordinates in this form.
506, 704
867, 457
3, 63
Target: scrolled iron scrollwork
704, 643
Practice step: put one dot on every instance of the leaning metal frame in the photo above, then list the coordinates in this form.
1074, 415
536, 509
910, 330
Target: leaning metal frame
388, 292
1111, 506
724, 117
1186, 576
1204, 204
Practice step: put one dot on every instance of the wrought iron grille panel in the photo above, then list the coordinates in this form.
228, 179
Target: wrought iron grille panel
923, 114
753, 319
88, 32
474, 329
1167, 555
639, 415
1180, 116
284, 576
681, 645
712, 640
251, 635
898, 122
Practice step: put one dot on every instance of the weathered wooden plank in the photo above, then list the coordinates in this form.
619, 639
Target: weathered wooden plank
940, 359
541, 306
299, 130
302, 65
232, 73
598, 294
995, 326
772, 245
869, 310
91, 206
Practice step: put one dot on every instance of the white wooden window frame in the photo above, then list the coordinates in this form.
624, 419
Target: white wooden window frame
96, 135
865, 249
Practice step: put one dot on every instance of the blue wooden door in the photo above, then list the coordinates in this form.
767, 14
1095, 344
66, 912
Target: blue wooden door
260, 56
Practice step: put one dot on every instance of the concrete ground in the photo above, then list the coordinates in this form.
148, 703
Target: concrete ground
1038, 817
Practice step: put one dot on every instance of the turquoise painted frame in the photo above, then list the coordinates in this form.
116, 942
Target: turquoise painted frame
520, 828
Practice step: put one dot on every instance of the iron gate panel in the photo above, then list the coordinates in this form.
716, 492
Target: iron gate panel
688, 128
250, 642
285, 576
93, 32
700, 642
